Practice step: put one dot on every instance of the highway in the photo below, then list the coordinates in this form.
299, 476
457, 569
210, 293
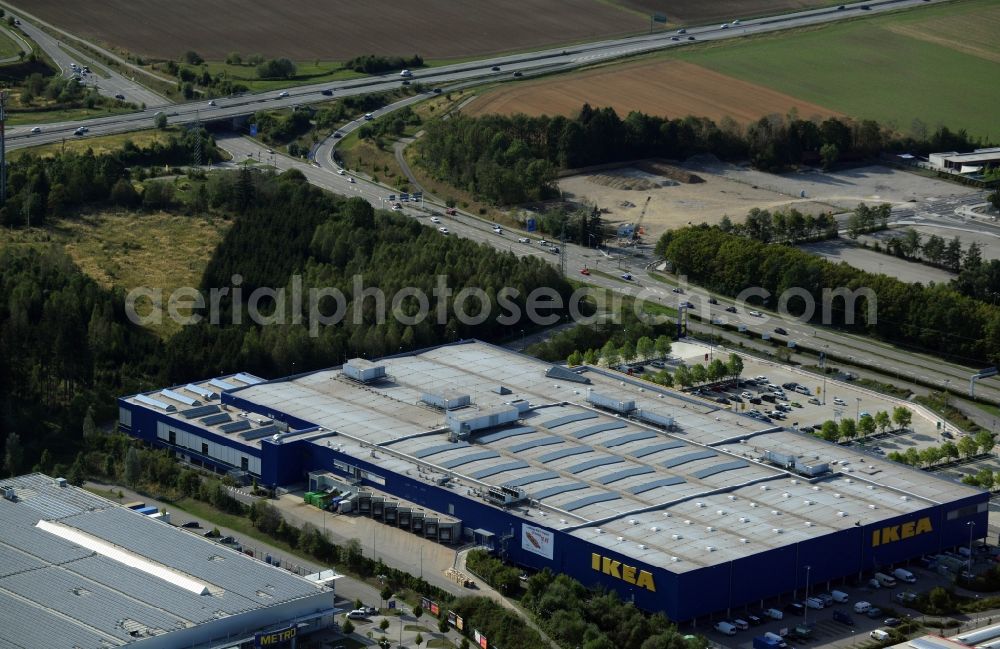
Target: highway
607, 266
111, 85
555, 59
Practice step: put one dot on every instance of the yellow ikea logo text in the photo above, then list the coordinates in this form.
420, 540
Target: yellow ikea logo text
619, 570
900, 532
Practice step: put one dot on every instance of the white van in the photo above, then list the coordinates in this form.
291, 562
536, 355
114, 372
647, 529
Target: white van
774, 614
878, 634
814, 602
904, 575
861, 607
777, 639
741, 625
839, 596
884, 579
725, 628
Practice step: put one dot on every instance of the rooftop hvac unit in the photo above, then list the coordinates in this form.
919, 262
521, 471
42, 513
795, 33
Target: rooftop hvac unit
810, 468
655, 418
363, 371
446, 400
61, 482
465, 422
10, 494
606, 402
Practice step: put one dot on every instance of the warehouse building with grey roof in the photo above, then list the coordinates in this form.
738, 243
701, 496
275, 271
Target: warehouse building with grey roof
79, 571
678, 504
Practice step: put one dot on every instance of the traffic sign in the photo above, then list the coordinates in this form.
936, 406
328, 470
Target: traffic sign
418, 196
659, 18
392, 603
253, 129
390, 197
404, 196
989, 371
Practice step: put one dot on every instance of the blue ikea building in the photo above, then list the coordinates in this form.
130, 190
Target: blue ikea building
678, 505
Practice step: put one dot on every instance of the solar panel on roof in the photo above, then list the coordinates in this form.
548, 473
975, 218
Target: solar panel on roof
662, 482
222, 385
249, 379
625, 439
593, 464
235, 426
690, 457
559, 489
656, 448
568, 419
589, 500
719, 468
440, 448
499, 468
531, 479
504, 434
259, 433
563, 452
200, 411
598, 428
624, 473
466, 459
213, 420
545, 441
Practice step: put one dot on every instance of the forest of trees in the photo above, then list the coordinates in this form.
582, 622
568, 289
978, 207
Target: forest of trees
42, 187
935, 318
372, 64
782, 226
508, 160
66, 344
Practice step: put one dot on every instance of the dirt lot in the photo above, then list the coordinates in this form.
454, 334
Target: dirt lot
664, 88
877, 262
989, 243
693, 12
310, 29
732, 190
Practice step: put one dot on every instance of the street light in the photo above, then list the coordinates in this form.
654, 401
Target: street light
859, 408
972, 526
805, 608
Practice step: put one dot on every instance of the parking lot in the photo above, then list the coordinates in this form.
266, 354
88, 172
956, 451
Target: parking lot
824, 630
842, 399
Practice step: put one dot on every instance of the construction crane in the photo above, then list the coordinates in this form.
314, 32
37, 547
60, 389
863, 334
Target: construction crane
638, 223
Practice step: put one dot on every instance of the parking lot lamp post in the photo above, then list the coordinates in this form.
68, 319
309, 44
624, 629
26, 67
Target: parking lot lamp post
859, 408
972, 526
805, 611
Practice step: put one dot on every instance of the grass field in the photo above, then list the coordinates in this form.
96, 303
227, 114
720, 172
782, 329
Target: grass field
304, 30
306, 72
9, 47
666, 88
102, 144
896, 68
128, 250
16, 118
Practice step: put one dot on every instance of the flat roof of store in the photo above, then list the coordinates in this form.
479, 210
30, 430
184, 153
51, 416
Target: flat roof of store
79, 570
598, 475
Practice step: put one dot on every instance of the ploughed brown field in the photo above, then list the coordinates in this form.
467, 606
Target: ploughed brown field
335, 30
663, 88
696, 12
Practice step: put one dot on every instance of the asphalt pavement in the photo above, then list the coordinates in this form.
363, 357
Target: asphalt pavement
65, 55
501, 68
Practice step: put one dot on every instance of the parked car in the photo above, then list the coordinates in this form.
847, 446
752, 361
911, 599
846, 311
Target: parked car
780, 331
192, 525
584, 271
443, 230
524, 240
843, 617
731, 309
326, 92
892, 621
874, 613
434, 219
357, 614
773, 613
795, 608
